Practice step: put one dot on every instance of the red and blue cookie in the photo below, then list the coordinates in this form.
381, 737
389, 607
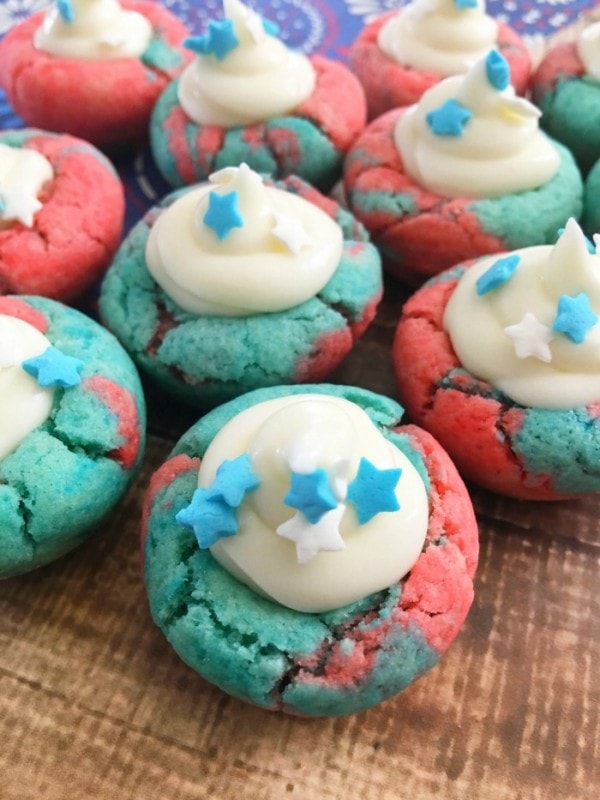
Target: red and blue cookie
497, 358
246, 97
403, 53
93, 69
257, 531
61, 214
462, 173
71, 432
237, 284
566, 87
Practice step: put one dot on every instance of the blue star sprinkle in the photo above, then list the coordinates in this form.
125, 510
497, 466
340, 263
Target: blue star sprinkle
497, 70
373, 490
449, 119
271, 28
65, 9
591, 247
465, 3
54, 368
219, 41
223, 214
500, 272
211, 514
575, 317
210, 518
234, 479
310, 494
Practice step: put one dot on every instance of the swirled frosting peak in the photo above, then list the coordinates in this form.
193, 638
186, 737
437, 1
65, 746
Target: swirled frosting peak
441, 36
23, 173
93, 29
471, 136
529, 322
303, 499
243, 73
235, 246
588, 49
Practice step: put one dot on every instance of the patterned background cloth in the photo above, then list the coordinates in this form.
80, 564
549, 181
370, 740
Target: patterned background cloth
324, 26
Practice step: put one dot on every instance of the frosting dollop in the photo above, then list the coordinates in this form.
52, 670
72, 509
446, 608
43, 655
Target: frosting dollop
588, 49
93, 29
445, 37
23, 173
242, 74
333, 512
235, 247
24, 404
471, 136
528, 322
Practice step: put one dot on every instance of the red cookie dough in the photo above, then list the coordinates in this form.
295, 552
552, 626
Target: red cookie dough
78, 229
103, 101
389, 85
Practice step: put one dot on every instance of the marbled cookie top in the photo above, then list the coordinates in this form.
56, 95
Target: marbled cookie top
304, 500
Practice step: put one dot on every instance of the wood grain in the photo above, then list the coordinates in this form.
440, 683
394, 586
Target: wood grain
95, 704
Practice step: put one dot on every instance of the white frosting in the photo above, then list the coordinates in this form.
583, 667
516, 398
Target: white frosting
284, 253
23, 173
501, 149
588, 49
437, 36
305, 432
100, 29
23, 403
258, 79
559, 373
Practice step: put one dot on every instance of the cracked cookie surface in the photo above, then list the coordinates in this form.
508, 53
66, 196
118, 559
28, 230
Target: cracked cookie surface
421, 233
312, 664
310, 142
206, 360
65, 476
526, 452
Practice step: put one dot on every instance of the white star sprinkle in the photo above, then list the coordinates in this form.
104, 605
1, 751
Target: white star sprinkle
311, 539
290, 232
19, 205
531, 338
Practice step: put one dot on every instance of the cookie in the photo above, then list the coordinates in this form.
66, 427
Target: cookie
312, 476
238, 284
498, 360
462, 173
246, 97
62, 207
566, 87
72, 431
92, 69
403, 53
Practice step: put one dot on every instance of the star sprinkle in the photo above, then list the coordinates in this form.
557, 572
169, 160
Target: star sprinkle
499, 273
574, 317
497, 70
310, 494
531, 338
449, 119
465, 3
234, 479
65, 9
223, 214
219, 41
311, 539
209, 517
290, 232
20, 206
54, 368
373, 490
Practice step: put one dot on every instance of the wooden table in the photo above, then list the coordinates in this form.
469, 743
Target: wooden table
94, 705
